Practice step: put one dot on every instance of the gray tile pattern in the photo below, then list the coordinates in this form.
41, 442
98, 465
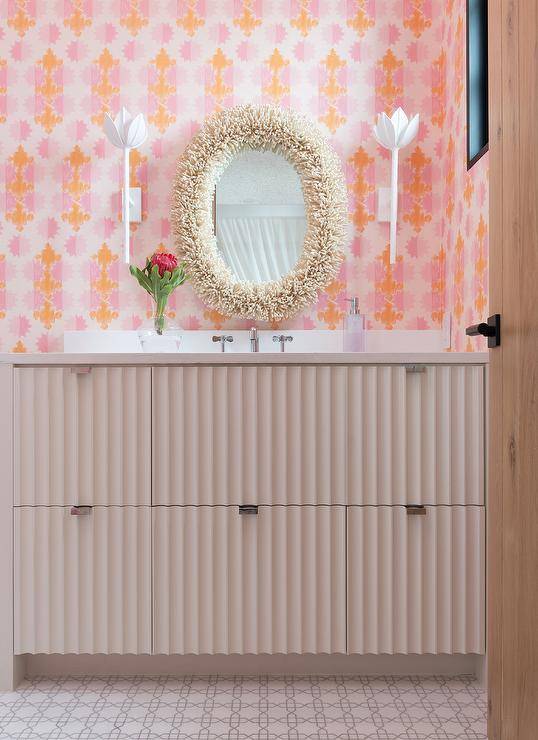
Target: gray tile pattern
236, 708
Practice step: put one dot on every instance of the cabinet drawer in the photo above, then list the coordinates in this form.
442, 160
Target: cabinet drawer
259, 435
226, 582
82, 438
416, 583
82, 583
416, 435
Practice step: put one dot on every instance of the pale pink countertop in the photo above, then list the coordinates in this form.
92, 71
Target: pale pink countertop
246, 358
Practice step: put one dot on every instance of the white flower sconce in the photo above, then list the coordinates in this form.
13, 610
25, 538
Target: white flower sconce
126, 133
394, 133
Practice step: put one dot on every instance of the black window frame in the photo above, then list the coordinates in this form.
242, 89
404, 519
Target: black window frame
472, 160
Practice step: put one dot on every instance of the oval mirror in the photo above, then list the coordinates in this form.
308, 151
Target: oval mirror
259, 212
260, 217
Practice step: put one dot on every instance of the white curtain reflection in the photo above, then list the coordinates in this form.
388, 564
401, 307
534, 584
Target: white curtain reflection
260, 243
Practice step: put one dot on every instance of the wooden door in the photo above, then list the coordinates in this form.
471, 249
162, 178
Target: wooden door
513, 406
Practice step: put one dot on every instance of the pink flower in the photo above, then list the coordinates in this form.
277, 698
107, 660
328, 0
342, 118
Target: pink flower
165, 262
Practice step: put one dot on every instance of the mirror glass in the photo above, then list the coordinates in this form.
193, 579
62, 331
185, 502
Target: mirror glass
260, 217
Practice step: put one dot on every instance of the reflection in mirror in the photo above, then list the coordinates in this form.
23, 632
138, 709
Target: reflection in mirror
260, 216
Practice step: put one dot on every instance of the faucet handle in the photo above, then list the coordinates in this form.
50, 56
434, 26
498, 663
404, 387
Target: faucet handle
222, 338
282, 338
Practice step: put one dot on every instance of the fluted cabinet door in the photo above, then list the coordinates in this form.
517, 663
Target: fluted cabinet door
416, 435
267, 583
82, 438
249, 435
416, 584
82, 584
376, 434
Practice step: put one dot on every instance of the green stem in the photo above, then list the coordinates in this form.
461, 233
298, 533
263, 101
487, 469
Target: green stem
159, 314
159, 324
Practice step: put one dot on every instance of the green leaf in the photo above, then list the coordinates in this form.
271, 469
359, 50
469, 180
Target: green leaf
155, 278
141, 278
148, 268
156, 282
179, 277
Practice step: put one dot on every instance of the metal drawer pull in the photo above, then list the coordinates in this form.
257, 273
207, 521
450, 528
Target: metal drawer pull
81, 510
415, 510
248, 509
415, 368
81, 370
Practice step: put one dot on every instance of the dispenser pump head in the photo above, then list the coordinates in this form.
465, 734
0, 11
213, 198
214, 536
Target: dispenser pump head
354, 307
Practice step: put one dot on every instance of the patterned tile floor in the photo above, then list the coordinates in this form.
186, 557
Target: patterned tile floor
391, 708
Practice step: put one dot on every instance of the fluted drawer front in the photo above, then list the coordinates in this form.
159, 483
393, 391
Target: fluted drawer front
266, 435
82, 583
267, 583
416, 584
416, 437
82, 438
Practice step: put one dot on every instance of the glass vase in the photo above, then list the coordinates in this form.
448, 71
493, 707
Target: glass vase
159, 323
159, 334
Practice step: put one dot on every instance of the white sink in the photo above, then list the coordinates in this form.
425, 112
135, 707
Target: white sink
109, 342
200, 342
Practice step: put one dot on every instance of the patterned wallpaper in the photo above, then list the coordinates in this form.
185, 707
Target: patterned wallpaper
465, 203
63, 63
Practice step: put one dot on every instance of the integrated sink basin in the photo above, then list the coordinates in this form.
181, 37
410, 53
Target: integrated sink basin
201, 341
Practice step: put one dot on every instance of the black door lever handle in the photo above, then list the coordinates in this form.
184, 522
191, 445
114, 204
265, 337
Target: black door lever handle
484, 329
490, 329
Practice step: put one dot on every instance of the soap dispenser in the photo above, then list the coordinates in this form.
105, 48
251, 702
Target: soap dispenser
354, 328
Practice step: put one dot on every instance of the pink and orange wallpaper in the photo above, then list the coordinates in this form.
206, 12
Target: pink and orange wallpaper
64, 63
465, 202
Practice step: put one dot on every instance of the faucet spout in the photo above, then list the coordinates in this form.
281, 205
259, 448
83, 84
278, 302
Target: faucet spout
254, 339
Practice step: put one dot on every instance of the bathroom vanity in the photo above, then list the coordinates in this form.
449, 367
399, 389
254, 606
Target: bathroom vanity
242, 504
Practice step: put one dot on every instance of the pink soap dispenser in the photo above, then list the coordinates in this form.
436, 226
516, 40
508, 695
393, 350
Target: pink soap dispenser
354, 328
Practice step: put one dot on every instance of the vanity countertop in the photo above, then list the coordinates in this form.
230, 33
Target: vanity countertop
246, 358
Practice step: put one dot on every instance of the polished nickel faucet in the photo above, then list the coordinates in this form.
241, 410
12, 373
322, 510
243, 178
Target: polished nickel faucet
254, 339
222, 338
282, 338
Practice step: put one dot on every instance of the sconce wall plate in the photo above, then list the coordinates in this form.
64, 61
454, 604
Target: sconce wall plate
135, 205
